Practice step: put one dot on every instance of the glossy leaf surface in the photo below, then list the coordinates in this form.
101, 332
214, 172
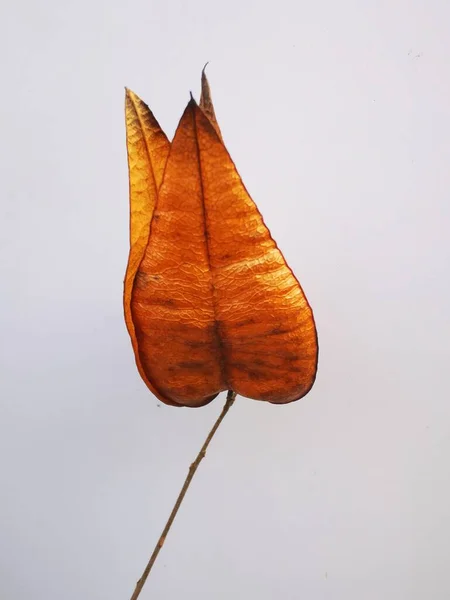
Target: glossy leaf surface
210, 303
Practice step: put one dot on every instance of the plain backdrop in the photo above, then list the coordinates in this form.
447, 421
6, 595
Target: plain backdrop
337, 116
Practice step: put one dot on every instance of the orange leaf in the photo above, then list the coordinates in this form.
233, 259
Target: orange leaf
148, 148
214, 305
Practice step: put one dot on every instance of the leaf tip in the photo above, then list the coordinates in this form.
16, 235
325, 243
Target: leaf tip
192, 99
130, 96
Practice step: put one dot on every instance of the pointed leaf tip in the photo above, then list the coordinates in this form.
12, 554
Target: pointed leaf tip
206, 103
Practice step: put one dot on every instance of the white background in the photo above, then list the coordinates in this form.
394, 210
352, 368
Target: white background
337, 116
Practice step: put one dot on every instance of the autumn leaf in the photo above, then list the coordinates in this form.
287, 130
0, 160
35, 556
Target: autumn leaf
210, 303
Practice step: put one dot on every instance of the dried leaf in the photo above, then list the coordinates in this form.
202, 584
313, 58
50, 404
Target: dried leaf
206, 103
213, 304
148, 149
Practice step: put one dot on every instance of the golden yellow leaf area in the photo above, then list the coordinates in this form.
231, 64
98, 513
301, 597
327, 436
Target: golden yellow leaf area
210, 303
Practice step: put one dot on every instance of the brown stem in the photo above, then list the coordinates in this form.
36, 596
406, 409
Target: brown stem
192, 469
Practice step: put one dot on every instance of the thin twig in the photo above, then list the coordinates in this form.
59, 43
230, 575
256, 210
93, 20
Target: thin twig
192, 469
